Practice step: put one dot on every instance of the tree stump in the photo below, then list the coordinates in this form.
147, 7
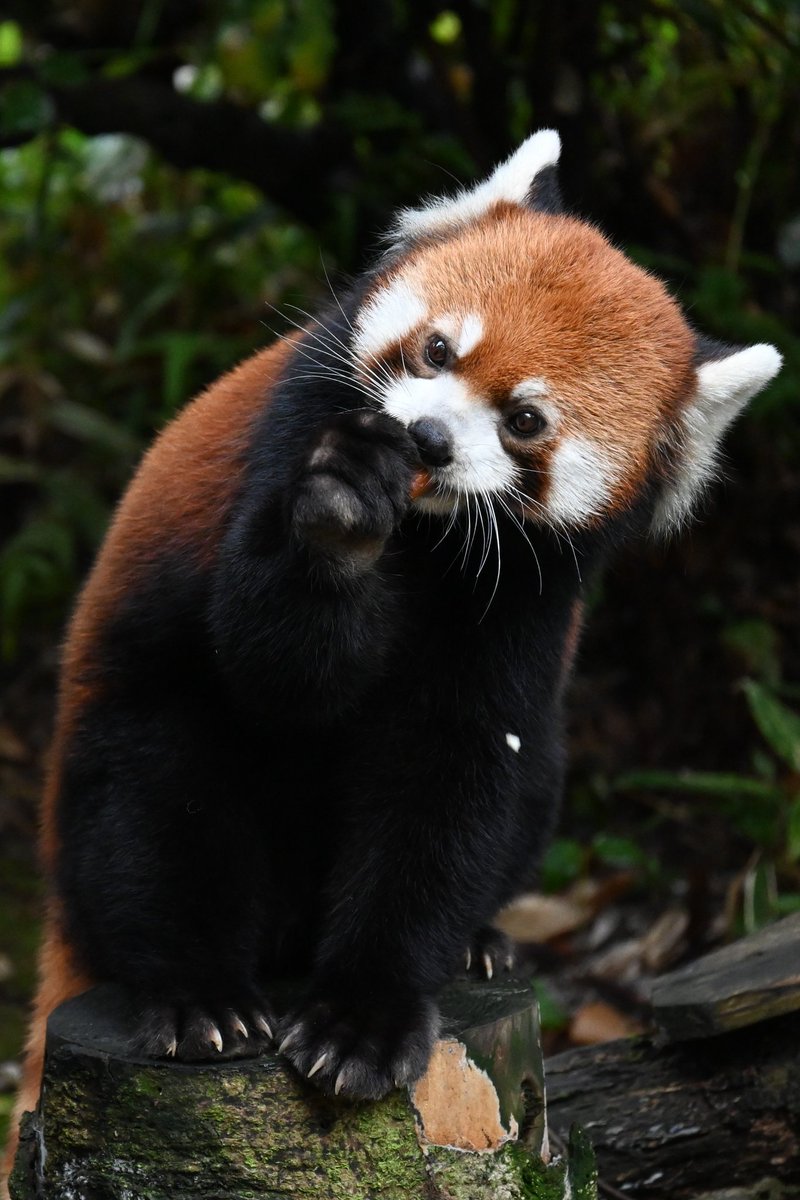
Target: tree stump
111, 1126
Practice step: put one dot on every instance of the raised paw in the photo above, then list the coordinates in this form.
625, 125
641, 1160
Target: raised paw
193, 1032
356, 485
490, 952
360, 1055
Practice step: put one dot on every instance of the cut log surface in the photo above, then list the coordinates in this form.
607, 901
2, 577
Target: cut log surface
672, 1122
751, 980
111, 1126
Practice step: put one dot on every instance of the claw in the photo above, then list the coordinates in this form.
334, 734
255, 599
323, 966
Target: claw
337, 1087
215, 1037
487, 966
288, 1040
318, 1064
263, 1025
468, 959
171, 1048
509, 961
239, 1025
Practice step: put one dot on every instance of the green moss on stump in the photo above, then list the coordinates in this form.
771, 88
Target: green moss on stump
116, 1128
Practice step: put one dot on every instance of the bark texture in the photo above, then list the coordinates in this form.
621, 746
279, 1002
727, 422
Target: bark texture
722, 1113
111, 1127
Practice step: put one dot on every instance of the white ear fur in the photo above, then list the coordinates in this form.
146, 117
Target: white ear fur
724, 387
510, 181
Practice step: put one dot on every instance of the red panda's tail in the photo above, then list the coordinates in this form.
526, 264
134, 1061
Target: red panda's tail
59, 980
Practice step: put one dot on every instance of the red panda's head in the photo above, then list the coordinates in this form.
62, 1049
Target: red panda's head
535, 363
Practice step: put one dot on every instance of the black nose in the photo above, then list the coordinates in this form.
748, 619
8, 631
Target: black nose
434, 441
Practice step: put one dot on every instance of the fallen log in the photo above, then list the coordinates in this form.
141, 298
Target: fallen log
750, 980
111, 1126
675, 1121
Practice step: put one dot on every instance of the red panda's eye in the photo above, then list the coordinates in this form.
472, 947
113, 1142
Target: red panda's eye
436, 351
527, 423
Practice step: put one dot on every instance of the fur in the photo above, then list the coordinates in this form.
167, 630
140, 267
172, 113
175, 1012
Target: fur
309, 725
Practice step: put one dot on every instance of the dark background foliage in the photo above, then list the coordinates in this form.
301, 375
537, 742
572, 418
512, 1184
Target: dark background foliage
172, 172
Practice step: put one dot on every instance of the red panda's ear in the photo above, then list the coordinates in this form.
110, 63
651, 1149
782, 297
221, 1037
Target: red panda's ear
727, 379
527, 178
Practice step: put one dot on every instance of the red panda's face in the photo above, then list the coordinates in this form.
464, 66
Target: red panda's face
535, 364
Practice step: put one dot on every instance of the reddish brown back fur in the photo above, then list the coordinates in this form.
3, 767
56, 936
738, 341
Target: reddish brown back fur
183, 489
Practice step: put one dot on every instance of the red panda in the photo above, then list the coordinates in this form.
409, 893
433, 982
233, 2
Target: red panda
310, 715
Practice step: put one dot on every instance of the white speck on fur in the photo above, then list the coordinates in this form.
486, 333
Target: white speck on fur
581, 479
387, 317
510, 181
724, 387
512, 739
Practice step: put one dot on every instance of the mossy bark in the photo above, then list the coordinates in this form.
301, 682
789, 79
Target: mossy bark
111, 1127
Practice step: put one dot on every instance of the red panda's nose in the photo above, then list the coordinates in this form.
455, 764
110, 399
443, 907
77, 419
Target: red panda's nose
433, 440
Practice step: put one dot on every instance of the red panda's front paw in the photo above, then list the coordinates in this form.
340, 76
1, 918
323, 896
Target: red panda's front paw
192, 1033
356, 486
360, 1055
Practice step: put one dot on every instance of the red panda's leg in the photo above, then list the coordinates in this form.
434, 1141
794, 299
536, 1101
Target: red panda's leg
165, 868
438, 833
303, 611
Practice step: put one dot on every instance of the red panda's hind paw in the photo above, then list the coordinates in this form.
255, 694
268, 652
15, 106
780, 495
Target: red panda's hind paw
360, 1055
191, 1033
489, 953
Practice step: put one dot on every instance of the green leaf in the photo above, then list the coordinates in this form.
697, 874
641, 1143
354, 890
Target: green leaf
445, 28
756, 643
563, 863
618, 851
793, 830
10, 43
88, 425
779, 725
64, 70
759, 896
13, 470
704, 783
24, 108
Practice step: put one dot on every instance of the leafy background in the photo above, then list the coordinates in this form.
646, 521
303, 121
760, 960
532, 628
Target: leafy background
174, 173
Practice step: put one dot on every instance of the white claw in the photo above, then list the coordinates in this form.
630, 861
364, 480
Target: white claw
468, 959
318, 1064
287, 1041
487, 966
239, 1025
262, 1023
215, 1037
172, 1048
509, 961
337, 1087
